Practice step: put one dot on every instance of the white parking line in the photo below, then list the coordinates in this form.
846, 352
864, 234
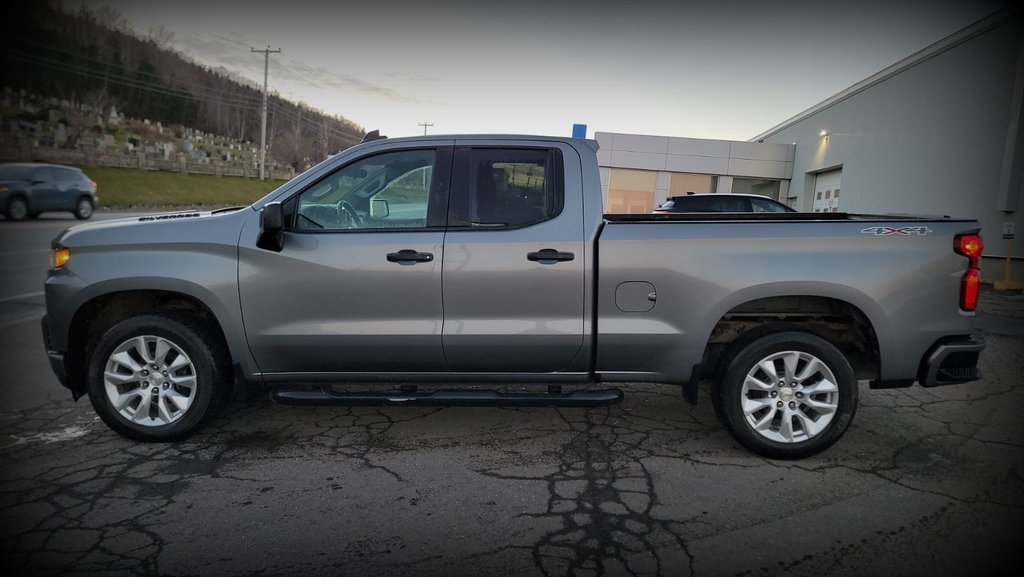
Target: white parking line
22, 318
20, 297
18, 252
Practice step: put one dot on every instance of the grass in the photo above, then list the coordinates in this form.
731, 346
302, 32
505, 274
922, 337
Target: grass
130, 188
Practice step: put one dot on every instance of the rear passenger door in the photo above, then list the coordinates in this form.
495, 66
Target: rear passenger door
45, 190
513, 271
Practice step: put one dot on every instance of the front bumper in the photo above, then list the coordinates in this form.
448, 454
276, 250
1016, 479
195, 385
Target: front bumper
952, 361
56, 358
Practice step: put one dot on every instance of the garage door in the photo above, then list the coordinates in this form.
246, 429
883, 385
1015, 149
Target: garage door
826, 191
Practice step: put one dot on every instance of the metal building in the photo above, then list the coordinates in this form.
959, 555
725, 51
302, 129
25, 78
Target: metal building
939, 132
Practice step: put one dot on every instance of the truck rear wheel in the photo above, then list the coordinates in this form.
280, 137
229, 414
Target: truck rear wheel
156, 378
787, 395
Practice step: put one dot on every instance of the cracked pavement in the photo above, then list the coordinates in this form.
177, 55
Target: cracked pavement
926, 481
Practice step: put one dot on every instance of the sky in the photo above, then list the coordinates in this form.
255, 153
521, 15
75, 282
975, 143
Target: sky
722, 69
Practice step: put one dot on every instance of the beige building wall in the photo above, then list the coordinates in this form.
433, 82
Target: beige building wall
640, 172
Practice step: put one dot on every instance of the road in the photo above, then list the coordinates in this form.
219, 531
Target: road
925, 482
25, 251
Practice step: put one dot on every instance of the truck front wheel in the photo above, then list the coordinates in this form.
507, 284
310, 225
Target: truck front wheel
787, 395
155, 378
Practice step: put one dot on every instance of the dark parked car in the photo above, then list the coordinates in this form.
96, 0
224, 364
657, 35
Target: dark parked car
722, 202
29, 189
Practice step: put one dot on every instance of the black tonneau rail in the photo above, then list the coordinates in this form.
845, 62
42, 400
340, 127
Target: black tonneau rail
772, 216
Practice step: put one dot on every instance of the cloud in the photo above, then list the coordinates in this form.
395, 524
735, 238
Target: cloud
231, 52
320, 77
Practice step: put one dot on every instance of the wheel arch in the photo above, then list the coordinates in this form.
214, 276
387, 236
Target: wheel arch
24, 195
828, 311
101, 311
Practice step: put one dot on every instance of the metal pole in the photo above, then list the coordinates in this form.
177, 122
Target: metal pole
263, 124
1009, 249
424, 124
1008, 283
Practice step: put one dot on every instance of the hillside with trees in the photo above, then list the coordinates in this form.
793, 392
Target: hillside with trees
89, 56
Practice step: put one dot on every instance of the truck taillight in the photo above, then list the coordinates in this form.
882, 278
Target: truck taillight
969, 290
971, 246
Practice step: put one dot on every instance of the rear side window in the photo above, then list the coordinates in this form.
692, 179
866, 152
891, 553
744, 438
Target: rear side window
766, 205
697, 204
67, 174
731, 204
44, 174
506, 187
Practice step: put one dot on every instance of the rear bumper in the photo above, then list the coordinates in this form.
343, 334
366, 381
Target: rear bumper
952, 361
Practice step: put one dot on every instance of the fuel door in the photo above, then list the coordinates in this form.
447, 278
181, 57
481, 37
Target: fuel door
635, 296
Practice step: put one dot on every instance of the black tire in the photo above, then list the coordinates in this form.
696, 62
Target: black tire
802, 437
33, 215
208, 371
83, 208
17, 208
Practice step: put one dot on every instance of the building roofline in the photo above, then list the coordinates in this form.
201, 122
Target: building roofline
970, 32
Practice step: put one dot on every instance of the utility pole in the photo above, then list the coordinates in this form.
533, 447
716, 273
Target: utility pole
424, 124
263, 127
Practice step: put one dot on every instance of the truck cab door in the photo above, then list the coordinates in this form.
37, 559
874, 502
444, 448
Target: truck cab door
356, 285
513, 272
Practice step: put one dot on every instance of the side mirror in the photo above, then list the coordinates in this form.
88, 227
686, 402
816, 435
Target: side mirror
379, 208
271, 228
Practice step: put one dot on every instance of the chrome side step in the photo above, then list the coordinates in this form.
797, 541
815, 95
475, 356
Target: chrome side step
449, 398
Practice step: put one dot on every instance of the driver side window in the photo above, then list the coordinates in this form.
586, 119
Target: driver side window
385, 191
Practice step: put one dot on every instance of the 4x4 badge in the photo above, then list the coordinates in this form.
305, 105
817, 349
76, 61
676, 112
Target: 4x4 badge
902, 231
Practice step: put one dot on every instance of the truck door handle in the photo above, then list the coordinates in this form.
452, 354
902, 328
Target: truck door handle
411, 256
549, 255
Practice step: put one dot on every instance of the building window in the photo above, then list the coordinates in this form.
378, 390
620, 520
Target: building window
764, 187
684, 182
631, 191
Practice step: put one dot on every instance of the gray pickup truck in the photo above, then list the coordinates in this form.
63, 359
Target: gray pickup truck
475, 260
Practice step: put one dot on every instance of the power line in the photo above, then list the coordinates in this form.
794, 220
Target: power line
424, 124
312, 125
79, 57
127, 81
280, 106
179, 88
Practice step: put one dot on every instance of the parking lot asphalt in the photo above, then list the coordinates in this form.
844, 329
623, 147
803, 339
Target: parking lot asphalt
925, 482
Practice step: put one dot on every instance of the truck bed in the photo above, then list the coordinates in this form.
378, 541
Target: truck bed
775, 216
901, 273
